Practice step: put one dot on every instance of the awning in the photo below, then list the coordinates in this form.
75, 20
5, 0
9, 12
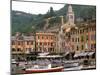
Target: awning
66, 53
76, 55
43, 54
83, 54
91, 53
50, 56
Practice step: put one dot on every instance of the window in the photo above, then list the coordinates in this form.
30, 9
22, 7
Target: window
76, 32
72, 47
37, 43
13, 42
31, 42
94, 46
52, 49
82, 38
48, 43
55, 37
51, 37
78, 39
40, 43
63, 44
40, 48
82, 47
47, 37
86, 29
27, 42
38, 37
45, 43
18, 49
13, 49
86, 37
83, 30
72, 39
93, 37
91, 29
94, 29
42, 37
29, 49
71, 32
77, 48
22, 43
80, 31
18, 43
51, 44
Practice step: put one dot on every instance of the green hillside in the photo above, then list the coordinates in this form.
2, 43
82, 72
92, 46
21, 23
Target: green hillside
23, 22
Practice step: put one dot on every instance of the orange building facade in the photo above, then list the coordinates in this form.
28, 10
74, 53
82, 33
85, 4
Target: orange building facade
45, 42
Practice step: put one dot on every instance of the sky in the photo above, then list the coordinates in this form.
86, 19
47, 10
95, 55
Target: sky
42, 8
34, 8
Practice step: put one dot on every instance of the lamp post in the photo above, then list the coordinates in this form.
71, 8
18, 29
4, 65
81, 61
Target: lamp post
34, 34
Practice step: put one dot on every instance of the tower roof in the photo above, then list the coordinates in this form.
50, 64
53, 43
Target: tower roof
70, 9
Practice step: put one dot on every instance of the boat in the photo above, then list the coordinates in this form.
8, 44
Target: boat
43, 54
43, 69
88, 67
73, 68
69, 64
42, 66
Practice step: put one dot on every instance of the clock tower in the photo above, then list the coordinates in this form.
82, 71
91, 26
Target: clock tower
70, 16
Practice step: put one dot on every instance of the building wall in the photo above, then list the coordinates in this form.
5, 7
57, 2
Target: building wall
22, 45
46, 42
83, 38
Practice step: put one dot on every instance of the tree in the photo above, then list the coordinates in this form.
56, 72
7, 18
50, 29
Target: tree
52, 13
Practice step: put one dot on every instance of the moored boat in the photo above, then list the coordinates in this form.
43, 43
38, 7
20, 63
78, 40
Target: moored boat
42, 66
42, 70
69, 64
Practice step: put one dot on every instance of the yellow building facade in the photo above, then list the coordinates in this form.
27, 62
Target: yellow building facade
83, 38
22, 44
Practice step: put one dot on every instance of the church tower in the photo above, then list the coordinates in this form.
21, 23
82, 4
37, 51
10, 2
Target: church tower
70, 16
65, 27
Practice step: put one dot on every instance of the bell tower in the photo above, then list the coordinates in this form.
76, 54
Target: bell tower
70, 16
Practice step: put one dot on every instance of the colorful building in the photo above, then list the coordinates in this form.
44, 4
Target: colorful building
65, 28
70, 37
22, 44
46, 42
84, 37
